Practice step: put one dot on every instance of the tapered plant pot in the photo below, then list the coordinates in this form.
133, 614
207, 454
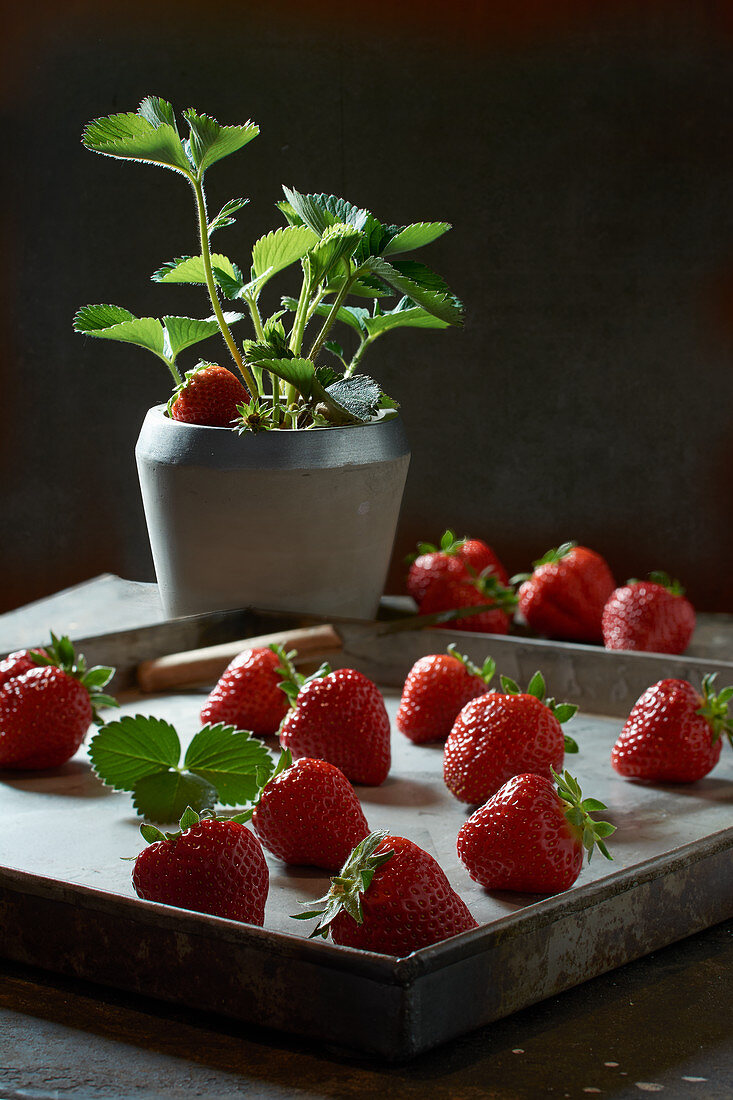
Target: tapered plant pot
288, 520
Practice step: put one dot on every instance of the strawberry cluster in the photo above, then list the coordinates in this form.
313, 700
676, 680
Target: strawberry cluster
530, 828
570, 595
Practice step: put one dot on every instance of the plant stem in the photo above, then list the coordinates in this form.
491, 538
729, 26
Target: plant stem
356, 359
211, 286
296, 333
173, 369
332, 315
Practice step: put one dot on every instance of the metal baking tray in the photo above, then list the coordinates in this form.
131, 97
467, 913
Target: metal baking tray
67, 903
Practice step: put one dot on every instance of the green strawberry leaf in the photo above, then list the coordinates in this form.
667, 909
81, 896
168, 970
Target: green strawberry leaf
405, 315
415, 236
318, 212
182, 332
190, 269
166, 795
416, 283
360, 394
231, 760
280, 248
224, 217
129, 749
150, 136
110, 322
209, 141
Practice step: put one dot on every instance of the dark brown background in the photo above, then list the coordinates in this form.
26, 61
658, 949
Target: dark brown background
584, 157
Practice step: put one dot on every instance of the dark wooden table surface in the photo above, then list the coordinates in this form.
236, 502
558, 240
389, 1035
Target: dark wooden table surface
659, 1025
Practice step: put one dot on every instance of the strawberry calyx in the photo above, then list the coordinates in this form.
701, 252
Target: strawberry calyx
347, 887
658, 576
449, 544
293, 682
577, 811
255, 416
485, 673
491, 587
285, 761
552, 557
715, 710
536, 687
61, 654
152, 834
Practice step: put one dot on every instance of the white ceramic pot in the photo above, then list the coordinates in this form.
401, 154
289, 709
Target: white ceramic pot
284, 520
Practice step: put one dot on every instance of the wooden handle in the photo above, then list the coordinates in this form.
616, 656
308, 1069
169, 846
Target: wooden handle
205, 666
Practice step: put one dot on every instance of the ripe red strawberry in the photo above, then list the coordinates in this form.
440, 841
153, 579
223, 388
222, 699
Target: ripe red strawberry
674, 734
210, 865
308, 814
208, 395
46, 710
17, 663
565, 595
652, 616
436, 688
499, 735
430, 565
340, 717
530, 835
247, 694
462, 593
391, 897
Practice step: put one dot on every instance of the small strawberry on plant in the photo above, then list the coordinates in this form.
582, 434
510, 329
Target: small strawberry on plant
503, 734
247, 694
431, 563
532, 834
46, 707
436, 688
308, 814
141, 754
674, 734
391, 897
338, 716
209, 395
209, 865
651, 616
565, 594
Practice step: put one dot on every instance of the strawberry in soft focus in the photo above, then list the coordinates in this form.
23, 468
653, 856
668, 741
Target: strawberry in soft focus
565, 594
674, 734
434, 563
502, 734
308, 814
15, 664
46, 710
340, 717
651, 616
531, 835
209, 396
247, 695
391, 897
436, 688
457, 594
209, 865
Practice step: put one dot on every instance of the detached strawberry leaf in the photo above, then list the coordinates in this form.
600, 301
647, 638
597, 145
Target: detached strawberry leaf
128, 749
165, 796
234, 762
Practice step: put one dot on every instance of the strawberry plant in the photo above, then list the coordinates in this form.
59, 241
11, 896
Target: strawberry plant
344, 253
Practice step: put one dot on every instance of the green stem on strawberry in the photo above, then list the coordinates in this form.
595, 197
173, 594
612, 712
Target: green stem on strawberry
61, 654
352, 881
211, 287
715, 708
486, 671
536, 686
577, 812
293, 681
